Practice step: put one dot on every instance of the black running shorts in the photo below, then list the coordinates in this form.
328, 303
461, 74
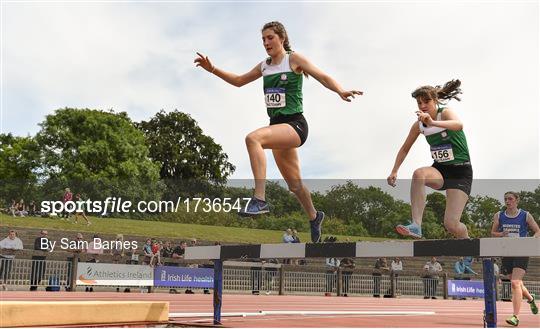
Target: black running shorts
456, 176
296, 121
509, 263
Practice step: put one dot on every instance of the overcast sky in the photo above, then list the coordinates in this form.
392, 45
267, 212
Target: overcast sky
138, 57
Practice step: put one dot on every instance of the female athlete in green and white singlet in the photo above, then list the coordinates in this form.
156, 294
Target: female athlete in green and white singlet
282, 73
451, 169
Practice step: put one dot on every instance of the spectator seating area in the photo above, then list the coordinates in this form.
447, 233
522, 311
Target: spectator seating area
28, 235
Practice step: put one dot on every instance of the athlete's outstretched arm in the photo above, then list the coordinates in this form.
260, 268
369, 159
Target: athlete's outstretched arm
233, 79
300, 63
402, 153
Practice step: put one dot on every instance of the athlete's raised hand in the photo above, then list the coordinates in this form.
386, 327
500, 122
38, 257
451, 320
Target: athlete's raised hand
204, 62
425, 118
349, 93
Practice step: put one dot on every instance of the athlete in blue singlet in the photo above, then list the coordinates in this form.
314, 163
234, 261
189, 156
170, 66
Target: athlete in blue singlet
515, 223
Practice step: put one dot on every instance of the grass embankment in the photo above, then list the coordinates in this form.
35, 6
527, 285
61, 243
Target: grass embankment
160, 230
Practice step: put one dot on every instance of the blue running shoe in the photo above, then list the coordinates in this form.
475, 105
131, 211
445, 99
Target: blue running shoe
254, 207
412, 230
315, 225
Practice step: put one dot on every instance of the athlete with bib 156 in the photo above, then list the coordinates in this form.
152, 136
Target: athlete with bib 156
451, 169
283, 74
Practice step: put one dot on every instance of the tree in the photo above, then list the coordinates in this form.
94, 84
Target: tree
355, 205
98, 153
19, 165
433, 219
530, 201
185, 155
432, 228
282, 201
437, 203
480, 211
394, 217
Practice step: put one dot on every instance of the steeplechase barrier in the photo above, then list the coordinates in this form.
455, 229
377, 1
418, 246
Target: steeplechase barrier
485, 248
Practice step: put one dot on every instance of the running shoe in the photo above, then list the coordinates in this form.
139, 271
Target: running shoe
315, 225
513, 321
412, 230
532, 304
254, 207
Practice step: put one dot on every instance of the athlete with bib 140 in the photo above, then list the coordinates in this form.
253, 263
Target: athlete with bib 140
451, 169
282, 73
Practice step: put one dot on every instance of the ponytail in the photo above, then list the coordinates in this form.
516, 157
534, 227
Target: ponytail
449, 90
441, 95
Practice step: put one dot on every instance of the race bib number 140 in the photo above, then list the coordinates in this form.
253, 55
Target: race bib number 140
275, 97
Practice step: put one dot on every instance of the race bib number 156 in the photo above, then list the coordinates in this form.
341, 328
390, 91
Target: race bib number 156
442, 153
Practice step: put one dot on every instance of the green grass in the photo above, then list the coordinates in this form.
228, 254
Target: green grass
161, 230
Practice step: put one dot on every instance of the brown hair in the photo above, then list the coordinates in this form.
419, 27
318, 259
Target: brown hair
439, 94
515, 194
279, 29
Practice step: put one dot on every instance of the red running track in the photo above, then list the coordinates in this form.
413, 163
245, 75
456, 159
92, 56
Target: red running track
448, 313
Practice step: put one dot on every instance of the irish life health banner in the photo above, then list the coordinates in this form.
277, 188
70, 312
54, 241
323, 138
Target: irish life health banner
184, 277
97, 274
465, 288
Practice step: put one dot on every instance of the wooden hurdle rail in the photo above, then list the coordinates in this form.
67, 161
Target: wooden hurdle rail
483, 248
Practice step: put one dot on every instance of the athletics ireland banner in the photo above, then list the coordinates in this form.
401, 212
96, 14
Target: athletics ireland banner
97, 274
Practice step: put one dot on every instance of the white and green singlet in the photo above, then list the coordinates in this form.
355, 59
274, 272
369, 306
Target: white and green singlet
282, 88
447, 146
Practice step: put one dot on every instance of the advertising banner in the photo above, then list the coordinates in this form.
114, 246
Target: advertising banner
184, 277
97, 274
465, 288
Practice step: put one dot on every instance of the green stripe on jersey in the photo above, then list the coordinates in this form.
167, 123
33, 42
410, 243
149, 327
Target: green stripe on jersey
283, 93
